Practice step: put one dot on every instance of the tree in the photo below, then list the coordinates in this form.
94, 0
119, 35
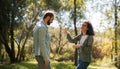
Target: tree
13, 20
74, 16
8, 22
75, 28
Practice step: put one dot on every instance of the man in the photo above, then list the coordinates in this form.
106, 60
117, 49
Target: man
41, 41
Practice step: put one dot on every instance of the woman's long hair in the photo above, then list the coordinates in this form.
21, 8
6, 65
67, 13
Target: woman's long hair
90, 30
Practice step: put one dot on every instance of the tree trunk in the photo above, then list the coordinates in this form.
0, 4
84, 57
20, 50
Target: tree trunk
76, 54
9, 52
116, 47
12, 42
12, 33
12, 50
18, 53
22, 52
0, 49
60, 35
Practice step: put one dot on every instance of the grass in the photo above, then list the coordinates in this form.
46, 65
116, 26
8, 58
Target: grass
22, 65
62, 65
54, 64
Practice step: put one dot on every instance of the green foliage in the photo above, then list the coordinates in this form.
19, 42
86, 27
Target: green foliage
103, 45
53, 4
80, 9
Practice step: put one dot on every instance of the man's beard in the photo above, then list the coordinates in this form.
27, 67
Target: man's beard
48, 22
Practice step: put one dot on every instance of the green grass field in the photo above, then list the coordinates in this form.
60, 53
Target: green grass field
54, 64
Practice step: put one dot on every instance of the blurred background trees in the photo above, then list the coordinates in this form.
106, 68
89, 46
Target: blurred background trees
18, 17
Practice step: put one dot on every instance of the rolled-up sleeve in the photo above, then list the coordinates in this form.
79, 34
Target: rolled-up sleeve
42, 44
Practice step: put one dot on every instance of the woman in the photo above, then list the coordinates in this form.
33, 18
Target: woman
85, 44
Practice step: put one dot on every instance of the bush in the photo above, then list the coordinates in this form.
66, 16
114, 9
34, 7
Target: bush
66, 56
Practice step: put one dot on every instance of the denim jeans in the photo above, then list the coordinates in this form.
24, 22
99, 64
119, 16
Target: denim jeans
41, 63
82, 65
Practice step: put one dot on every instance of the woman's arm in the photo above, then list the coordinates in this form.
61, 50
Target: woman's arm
70, 39
73, 40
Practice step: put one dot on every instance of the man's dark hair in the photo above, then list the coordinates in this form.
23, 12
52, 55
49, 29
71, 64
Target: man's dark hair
48, 14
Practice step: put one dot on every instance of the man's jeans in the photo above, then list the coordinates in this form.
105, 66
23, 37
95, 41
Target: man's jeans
82, 65
41, 63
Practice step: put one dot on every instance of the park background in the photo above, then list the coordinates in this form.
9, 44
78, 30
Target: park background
18, 18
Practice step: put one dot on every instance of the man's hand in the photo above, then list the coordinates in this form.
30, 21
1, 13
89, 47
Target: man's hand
47, 63
76, 46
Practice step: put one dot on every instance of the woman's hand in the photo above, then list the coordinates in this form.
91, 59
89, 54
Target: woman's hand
65, 31
76, 46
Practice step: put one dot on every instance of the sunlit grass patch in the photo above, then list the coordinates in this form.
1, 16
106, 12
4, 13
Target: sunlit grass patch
54, 64
63, 65
100, 67
22, 65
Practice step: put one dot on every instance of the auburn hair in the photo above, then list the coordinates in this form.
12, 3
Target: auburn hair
90, 30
